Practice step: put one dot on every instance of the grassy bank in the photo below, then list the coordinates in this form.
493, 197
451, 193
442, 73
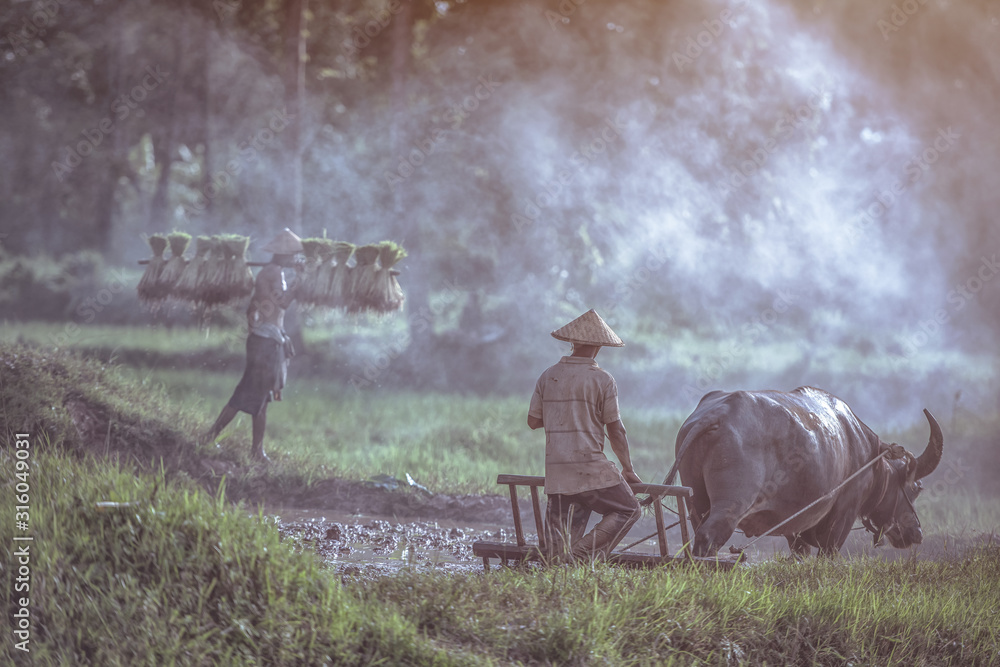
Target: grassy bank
179, 576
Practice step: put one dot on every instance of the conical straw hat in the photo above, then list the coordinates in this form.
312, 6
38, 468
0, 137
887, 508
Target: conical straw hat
588, 329
285, 243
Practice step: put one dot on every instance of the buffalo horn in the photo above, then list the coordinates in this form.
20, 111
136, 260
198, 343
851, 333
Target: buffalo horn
928, 461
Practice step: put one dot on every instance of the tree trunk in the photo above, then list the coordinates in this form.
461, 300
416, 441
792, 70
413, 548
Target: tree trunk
415, 278
104, 203
165, 140
295, 83
206, 111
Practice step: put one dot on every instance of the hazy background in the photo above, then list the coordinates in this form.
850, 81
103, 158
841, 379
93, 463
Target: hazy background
755, 195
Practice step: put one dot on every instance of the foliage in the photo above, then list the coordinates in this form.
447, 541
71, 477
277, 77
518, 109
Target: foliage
48, 288
188, 146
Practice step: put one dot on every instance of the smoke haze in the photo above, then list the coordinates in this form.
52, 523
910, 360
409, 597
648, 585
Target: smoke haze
754, 194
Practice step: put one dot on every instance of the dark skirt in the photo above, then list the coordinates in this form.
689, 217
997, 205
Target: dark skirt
265, 373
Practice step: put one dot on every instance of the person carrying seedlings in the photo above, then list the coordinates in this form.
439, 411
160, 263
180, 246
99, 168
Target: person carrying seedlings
268, 346
574, 401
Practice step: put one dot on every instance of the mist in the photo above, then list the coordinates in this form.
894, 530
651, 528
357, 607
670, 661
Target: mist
753, 194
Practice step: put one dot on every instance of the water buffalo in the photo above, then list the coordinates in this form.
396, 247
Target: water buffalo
755, 458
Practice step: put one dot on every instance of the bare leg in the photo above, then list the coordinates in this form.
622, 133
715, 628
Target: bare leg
259, 424
221, 422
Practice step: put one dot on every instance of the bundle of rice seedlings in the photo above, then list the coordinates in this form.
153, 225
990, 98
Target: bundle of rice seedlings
364, 282
388, 295
311, 287
238, 277
149, 283
212, 286
324, 274
338, 289
188, 287
306, 288
174, 267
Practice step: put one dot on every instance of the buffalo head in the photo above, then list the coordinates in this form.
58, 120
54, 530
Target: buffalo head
894, 515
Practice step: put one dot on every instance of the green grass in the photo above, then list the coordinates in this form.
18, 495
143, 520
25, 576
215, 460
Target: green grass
180, 577
180, 341
450, 443
822, 611
183, 576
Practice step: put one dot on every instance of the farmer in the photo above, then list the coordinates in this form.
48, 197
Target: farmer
268, 347
574, 400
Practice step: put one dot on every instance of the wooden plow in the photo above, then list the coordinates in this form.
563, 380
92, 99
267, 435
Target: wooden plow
521, 551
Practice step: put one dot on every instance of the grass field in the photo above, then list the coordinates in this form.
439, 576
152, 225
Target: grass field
183, 576
458, 443
450, 443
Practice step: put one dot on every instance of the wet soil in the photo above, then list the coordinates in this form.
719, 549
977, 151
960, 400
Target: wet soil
376, 547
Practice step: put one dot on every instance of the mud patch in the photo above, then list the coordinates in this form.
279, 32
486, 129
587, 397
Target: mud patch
378, 547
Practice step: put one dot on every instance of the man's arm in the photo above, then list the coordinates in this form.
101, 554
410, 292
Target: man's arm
619, 445
535, 422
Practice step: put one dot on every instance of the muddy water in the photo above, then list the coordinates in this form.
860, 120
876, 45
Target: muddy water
372, 545
364, 546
